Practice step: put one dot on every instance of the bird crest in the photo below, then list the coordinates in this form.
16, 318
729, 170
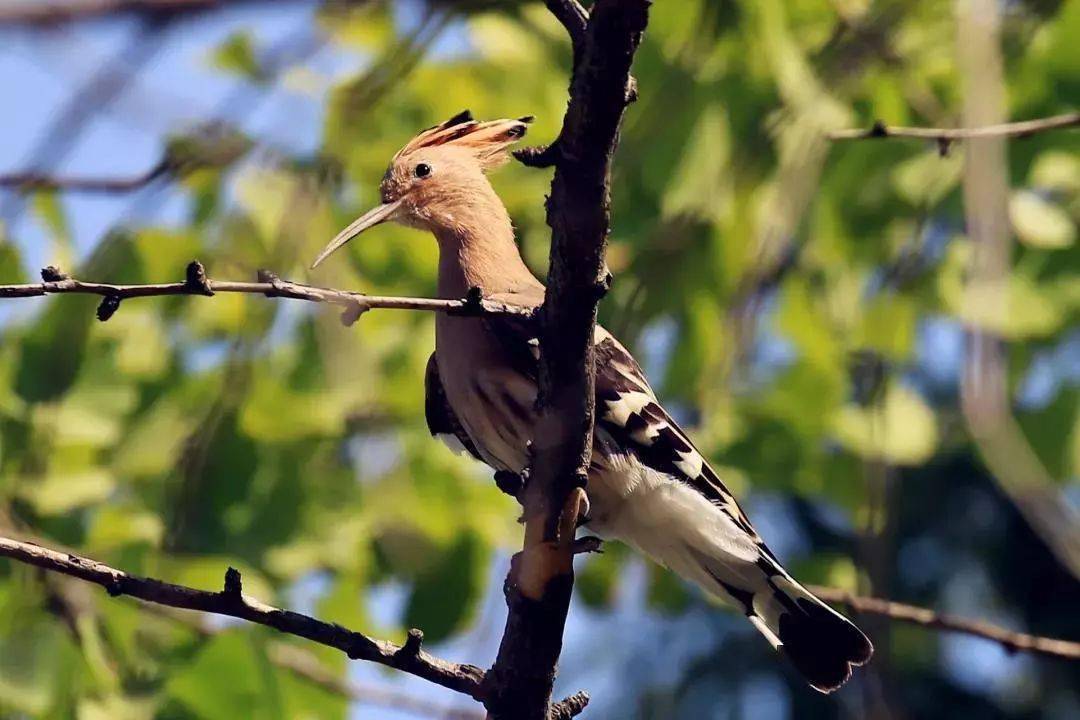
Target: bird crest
485, 141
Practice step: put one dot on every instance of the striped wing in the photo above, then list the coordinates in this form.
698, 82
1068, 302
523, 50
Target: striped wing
628, 409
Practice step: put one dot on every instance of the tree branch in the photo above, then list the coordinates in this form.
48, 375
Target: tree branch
985, 395
575, 19
1011, 640
1025, 128
541, 579
232, 602
462, 678
41, 181
46, 13
56, 282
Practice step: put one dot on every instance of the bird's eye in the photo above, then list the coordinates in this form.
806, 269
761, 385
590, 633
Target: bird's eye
422, 170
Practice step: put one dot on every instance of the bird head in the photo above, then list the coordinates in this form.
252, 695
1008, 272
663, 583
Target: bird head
438, 176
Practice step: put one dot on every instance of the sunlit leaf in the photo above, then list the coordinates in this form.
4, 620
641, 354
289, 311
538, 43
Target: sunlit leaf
11, 271
927, 178
1014, 307
667, 593
224, 681
152, 444
901, 429
1039, 222
236, 54
1056, 171
116, 526
443, 597
56, 494
887, 325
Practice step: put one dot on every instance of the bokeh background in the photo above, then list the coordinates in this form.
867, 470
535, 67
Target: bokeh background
798, 303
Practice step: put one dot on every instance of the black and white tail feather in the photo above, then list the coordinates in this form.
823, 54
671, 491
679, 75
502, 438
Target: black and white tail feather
650, 487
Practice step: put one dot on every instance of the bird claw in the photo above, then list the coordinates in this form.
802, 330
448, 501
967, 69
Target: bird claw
584, 511
588, 544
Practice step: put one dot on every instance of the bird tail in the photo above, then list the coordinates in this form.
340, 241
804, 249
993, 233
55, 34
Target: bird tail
821, 643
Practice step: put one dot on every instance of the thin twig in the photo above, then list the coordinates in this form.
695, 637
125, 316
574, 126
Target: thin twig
1016, 129
232, 602
1009, 639
45, 13
43, 181
573, 17
57, 283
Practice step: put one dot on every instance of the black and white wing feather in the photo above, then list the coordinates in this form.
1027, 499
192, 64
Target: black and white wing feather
822, 644
628, 409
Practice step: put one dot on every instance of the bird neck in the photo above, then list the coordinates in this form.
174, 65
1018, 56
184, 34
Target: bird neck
477, 249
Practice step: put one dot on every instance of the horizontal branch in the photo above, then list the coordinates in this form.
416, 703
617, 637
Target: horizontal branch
46, 13
232, 602
196, 282
1009, 639
105, 185
945, 135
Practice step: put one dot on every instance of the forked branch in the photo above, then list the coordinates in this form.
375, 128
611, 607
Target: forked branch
231, 601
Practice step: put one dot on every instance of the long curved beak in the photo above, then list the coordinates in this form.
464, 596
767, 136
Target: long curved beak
371, 218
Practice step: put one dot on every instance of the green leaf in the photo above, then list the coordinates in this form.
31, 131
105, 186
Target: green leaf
666, 592
901, 430
39, 663
274, 414
11, 271
224, 681
236, 55
445, 594
59, 493
1056, 171
927, 178
114, 526
887, 325
598, 576
1040, 223
48, 207
152, 443
1015, 307
52, 351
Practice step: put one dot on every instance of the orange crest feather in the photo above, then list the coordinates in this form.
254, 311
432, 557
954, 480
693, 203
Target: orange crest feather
486, 141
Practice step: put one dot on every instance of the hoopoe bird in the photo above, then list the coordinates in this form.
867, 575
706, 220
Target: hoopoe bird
648, 485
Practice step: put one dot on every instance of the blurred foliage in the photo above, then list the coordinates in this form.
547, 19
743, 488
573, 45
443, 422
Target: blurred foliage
798, 303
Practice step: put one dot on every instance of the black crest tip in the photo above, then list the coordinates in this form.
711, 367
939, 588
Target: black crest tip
462, 117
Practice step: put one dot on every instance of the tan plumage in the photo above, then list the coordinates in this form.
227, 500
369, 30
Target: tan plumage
648, 485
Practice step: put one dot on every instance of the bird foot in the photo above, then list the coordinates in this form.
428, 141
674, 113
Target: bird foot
588, 544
